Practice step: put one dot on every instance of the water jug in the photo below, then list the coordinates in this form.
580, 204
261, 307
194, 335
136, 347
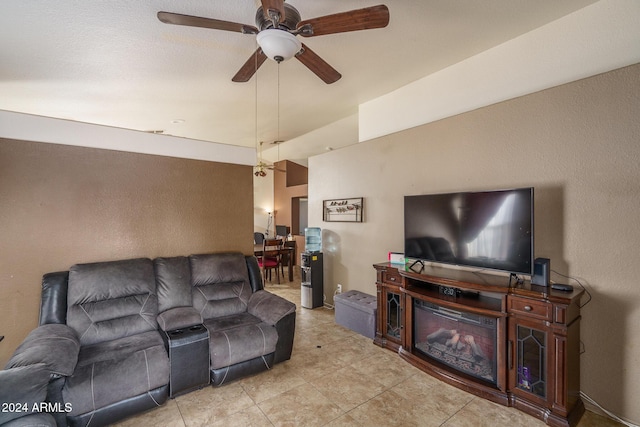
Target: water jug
313, 239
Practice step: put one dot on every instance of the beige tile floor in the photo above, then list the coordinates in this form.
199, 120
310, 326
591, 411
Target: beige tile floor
336, 378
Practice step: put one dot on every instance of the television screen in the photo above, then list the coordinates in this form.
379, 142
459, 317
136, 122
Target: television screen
490, 229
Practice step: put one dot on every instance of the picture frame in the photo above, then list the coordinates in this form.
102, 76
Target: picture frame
343, 210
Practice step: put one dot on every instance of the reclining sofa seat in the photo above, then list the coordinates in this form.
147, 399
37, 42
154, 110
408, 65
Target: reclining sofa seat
250, 329
122, 367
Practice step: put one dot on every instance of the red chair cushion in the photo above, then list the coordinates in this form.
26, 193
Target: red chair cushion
268, 262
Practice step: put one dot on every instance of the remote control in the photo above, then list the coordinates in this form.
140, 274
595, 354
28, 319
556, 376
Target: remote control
562, 287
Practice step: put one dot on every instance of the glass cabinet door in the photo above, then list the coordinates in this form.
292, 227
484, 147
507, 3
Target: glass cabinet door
394, 314
531, 360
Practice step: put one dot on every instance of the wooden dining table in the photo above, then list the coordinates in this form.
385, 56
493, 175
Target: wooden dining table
257, 251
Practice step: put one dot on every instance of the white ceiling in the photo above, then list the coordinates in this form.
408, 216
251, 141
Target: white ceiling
114, 63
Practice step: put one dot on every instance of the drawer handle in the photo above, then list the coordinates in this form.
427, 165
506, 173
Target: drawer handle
393, 279
528, 308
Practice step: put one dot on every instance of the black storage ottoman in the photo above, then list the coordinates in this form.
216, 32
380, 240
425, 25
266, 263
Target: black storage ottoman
189, 359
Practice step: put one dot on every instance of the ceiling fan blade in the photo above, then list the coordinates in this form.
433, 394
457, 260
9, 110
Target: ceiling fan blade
353, 20
214, 24
317, 65
250, 67
273, 6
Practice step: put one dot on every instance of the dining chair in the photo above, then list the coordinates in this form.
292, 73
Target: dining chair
271, 258
258, 238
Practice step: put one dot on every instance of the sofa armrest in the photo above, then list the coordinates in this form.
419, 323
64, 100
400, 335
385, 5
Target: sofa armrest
24, 386
53, 299
268, 307
178, 318
55, 345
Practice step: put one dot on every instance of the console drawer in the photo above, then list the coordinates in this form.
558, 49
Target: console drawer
392, 277
529, 307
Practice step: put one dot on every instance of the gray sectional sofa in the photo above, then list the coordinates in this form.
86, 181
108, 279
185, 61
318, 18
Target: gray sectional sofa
117, 338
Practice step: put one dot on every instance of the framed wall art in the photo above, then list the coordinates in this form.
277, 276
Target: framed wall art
343, 210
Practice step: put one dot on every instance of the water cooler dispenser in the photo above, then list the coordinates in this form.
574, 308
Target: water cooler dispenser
312, 289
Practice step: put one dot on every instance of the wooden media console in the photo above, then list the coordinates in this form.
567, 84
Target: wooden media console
514, 344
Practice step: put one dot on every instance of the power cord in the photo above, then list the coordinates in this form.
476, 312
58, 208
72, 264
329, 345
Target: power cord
610, 414
583, 349
325, 304
579, 283
518, 280
336, 292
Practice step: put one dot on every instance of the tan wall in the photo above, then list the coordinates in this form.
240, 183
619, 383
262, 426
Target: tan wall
289, 182
61, 205
577, 144
288, 173
263, 202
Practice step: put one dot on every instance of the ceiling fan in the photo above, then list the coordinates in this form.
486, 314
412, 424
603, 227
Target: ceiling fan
262, 167
277, 25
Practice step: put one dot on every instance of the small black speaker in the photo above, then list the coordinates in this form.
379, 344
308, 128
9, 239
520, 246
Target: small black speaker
541, 269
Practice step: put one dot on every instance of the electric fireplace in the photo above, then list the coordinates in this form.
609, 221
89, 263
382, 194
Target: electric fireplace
464, 341
458, 334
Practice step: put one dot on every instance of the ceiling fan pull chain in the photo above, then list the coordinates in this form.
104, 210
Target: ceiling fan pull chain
256, 110
278, 103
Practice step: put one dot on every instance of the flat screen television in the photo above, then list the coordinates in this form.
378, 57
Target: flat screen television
488, 229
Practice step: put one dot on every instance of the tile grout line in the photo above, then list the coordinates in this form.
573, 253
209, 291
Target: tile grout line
184, 423
257, 405
456, 412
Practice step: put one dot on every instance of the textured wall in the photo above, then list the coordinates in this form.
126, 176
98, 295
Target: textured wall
285, 189
577, 144
61, 205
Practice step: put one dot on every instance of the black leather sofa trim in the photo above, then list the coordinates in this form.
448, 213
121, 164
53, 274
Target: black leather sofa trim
255, 277
54, 395
285, 328
53, 305
123, 409
250, 367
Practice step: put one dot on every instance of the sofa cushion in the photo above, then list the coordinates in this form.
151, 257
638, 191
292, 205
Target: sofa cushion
220, 284
111, 300
54, 345
241, 343
233, 321
173, 281
23, 385
120, 348
114, 371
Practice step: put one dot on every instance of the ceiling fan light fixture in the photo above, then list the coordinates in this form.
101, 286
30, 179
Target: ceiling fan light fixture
278, 45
